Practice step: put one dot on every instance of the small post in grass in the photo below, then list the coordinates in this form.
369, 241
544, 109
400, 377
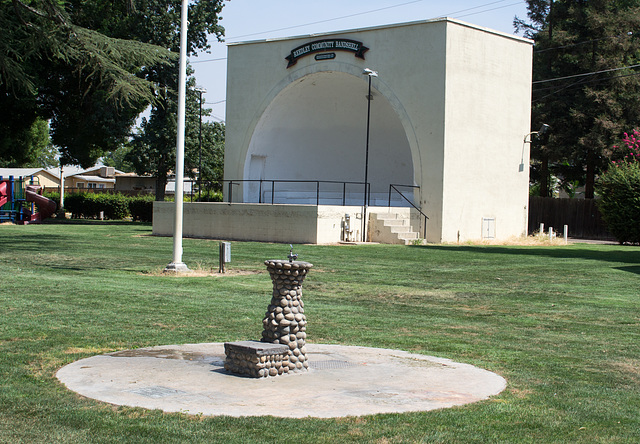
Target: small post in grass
225, 255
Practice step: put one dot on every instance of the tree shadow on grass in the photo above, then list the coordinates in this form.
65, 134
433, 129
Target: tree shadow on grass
94, 222
605, 253
631, 269
30, 243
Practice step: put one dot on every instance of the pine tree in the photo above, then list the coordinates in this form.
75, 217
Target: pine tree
90, 67
158, 22
89, 84
585, 83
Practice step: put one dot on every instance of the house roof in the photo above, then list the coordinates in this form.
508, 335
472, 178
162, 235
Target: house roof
89, 178
96, 169
73, 170
20, 172
68, 170
54, 172
26, 172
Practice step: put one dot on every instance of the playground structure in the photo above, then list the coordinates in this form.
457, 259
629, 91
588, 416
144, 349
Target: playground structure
19, 199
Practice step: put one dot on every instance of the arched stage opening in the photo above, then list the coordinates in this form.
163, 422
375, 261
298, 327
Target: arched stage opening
309, 145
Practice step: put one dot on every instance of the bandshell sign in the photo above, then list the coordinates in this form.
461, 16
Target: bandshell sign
326, 45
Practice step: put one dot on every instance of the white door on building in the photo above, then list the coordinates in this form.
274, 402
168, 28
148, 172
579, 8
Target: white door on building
256, 173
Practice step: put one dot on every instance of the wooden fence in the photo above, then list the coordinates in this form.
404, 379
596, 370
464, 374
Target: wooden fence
581, 215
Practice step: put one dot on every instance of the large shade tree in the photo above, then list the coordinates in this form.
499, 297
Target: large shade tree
158, 22
586, 85
88, 84
90, 67
153, 147
213, 137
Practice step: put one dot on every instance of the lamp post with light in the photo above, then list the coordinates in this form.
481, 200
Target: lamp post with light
201, 90
371, 74
540, 135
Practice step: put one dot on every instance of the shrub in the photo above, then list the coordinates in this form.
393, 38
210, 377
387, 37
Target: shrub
210, 196
619, 188
141, 208
53, 195
115, 206
89, 205
74, 204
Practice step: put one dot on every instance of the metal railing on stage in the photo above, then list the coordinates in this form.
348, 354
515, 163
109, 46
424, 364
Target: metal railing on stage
393, 187
267, 187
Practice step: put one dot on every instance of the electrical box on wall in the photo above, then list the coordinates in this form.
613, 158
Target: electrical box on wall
488, 227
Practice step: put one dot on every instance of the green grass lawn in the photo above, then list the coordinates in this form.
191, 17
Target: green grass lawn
561, 324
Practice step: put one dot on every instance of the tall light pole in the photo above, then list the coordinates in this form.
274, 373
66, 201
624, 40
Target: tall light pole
370, 73
61, 186
201, 90
177, 266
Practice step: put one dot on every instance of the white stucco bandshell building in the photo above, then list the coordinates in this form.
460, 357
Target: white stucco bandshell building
449, 110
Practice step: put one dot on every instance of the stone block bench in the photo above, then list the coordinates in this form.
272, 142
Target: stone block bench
256, 359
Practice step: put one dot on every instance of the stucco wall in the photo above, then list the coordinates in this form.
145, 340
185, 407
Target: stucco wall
254, 222
488, 95
460, 93
48, 181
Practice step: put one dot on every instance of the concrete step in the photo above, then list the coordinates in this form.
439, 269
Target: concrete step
392, 228
400, 229
391, 216
396, 222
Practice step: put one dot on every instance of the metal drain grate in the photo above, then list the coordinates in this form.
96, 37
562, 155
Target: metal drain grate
331, 365
156, 392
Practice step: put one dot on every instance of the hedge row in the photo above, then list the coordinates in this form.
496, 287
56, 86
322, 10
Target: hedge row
114, 206
117, 206
619, 189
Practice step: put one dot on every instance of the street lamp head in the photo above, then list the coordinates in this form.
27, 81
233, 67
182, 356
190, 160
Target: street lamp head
200, 89
370, 72
541, 135
543, 130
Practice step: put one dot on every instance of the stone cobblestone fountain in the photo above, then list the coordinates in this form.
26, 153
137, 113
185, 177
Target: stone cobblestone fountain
282, 348
337, 381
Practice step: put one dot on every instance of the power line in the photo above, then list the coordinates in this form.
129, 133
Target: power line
209, 60
218, 118
451, 14
580, 83
328, 20
486, 10
586, 74
538, 51
583, 81
376, 10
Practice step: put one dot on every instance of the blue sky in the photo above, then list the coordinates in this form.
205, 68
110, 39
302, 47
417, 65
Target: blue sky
247, 20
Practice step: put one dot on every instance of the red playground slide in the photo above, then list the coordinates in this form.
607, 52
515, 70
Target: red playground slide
46, 207
4, 193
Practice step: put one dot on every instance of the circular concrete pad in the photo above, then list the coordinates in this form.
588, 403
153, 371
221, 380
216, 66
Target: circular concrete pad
342, 381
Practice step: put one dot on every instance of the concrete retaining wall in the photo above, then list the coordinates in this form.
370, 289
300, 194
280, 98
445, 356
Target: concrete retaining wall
257, 222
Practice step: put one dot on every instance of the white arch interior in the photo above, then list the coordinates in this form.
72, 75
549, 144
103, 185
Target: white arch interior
315, 130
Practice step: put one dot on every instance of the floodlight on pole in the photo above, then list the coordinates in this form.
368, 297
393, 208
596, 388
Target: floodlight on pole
544, 129
370, 73
201, 90
177, 265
